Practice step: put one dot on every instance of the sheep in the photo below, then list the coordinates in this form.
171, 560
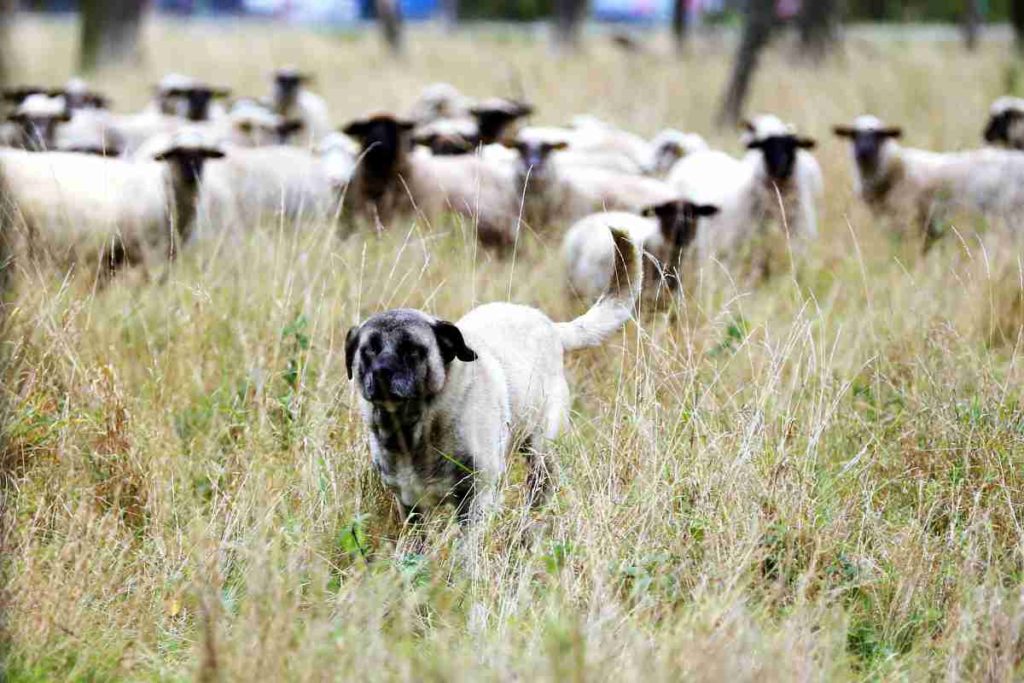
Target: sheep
716, 178
378, 190
108, 213
290, 99
668, 147
663, 233
557, 187
1006, 123
167, 95
922, 187
787, 177
594, 136
339, 154
480, 187
79, 96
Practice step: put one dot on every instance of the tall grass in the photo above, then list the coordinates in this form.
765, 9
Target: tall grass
817, 477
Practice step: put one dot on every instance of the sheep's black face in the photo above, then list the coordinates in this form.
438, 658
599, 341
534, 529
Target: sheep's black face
1000, 126
535, 155
780, 154
383, 140
446, 145
868, 144
678, 220
286, 87
197, 101
190, 160
401, 356
493, 123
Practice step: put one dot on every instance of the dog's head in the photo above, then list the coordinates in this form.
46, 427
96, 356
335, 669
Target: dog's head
403, 355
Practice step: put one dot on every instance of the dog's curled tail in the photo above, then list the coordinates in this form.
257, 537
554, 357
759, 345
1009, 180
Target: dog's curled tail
615, 306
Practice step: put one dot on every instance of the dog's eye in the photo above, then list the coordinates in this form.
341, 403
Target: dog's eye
410, 351
375, 344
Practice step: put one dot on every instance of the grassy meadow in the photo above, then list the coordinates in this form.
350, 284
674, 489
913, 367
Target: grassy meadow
818, 476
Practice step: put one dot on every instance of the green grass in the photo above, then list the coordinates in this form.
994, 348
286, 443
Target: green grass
817, 476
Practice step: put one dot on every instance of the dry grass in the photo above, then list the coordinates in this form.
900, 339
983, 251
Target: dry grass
820, 477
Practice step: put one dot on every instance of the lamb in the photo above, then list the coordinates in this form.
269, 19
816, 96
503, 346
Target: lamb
922, 187
1006, 123
293, 101
662, 233
101, 212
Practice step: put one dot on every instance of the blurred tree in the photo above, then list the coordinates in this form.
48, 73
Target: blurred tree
389, 16
972, 18
450, 13
111, 30
1017, 19
679, 23
818, 25
569, 15
6, 16
757, 31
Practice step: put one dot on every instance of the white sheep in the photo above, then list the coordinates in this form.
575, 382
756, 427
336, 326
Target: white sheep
439, 101
663, 233
488, 122
102, 212
922, 187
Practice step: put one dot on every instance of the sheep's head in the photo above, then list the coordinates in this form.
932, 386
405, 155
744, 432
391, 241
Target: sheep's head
287, 83
534, 153
678, 220
870, 139
189, 155
669, 146
494, 117
38, 116
197, 98
167, 93
79, 95
384, 141
1006, 123
779, 152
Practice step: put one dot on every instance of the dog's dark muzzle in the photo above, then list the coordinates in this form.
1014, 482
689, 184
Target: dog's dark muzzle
386, 381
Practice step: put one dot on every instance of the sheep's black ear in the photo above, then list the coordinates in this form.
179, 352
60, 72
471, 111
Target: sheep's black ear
404, 125
705, 210
648, 212
844, 131
523, 109
559, 146
755, 144
806, 143
892, 132
220, 93
289, 128
351, 345
355, 129
451, 343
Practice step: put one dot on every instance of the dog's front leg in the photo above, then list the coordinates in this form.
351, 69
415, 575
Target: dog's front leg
475, 514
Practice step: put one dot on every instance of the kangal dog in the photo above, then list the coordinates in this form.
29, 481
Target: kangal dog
446, 403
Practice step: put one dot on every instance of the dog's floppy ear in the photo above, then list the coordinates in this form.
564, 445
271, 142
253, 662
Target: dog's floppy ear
451, 343
351, 344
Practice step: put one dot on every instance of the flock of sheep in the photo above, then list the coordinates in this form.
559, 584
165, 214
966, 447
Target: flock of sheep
99, 190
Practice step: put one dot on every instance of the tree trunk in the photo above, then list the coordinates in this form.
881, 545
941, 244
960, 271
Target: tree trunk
568, 17
1017, 19
757, 31
972, 23
389, 16
450, 14
6, 17
111, 32
679, 24
818, 24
